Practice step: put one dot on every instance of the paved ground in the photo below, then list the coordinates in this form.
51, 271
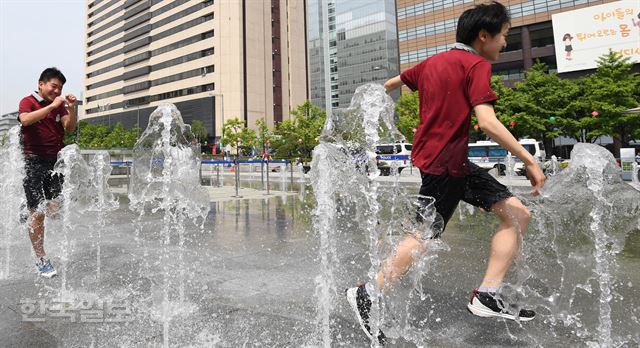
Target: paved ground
247, 279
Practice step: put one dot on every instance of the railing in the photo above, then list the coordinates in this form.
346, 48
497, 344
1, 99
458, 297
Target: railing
264, 164
264, 169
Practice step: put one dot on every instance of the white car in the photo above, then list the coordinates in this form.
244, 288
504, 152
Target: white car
398, 154
488, 154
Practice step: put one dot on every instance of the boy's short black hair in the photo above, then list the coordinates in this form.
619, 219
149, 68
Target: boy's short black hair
490, 17
52, 73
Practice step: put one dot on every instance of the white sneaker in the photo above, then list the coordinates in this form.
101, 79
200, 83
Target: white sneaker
45, 268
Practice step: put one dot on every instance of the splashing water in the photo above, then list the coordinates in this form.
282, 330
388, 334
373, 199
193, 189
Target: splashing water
399, 216
509, 163
75, 198
554, 165
12, 193
584, 215
347, 153
104, 201
300, 169
343, 173
166, 167
165, 178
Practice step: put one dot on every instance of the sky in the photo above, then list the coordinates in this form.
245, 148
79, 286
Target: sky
35, 35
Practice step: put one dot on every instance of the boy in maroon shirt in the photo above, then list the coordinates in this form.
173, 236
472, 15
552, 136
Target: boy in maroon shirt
452, 85
44, 118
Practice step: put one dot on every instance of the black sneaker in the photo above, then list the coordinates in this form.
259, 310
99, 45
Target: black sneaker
484, 304
361, 303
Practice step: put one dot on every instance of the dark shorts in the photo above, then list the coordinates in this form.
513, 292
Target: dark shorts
568, 48
479, 188
39, 182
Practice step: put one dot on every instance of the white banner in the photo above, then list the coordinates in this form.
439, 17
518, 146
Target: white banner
582, 36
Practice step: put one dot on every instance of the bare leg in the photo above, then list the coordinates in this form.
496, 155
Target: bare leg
514, 220
53, 208
409, 250
36, 233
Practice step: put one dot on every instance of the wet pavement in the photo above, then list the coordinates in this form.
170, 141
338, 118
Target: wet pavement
247, 278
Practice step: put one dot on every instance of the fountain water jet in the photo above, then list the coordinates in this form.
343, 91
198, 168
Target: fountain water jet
12, 193
584, 215
165, 178
343, 174
75, 198
104, 201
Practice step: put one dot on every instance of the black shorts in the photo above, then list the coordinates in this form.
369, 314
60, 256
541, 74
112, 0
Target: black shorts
479, 188
39, 182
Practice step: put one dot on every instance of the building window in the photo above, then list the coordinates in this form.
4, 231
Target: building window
541, 36
514, 40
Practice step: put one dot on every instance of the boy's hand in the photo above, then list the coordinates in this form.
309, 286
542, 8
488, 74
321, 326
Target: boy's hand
71, 100
536, 177
57, 102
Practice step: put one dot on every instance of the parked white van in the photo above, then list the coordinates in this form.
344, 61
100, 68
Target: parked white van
398, 154
488, 154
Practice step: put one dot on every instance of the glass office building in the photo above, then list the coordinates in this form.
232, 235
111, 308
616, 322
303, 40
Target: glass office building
362, 47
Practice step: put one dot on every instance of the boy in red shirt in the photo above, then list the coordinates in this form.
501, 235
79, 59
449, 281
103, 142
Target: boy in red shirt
452, 85
44, 118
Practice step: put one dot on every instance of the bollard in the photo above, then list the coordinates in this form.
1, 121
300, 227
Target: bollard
237, 164
268, 191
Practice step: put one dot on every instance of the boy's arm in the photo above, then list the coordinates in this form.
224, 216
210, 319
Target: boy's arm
489, 124
393, 83
29, 118
69, 120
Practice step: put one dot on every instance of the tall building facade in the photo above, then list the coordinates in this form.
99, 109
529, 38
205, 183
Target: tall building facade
8, 121
360, 38
429, 27
215, 60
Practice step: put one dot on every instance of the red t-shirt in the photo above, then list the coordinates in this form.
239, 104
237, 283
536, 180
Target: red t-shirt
449, 85
45, 137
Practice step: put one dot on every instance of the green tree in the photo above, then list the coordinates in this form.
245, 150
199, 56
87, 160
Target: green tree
248, 140
82, 131
231, 132
115, 137
96, 135
541, 103
102, 136
285, 139
298, 136
130, 137
264, 135
408, 112
200, 132
69, 138
612, 89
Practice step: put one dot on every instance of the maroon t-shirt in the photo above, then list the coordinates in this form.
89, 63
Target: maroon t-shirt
45, 137
449, 85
